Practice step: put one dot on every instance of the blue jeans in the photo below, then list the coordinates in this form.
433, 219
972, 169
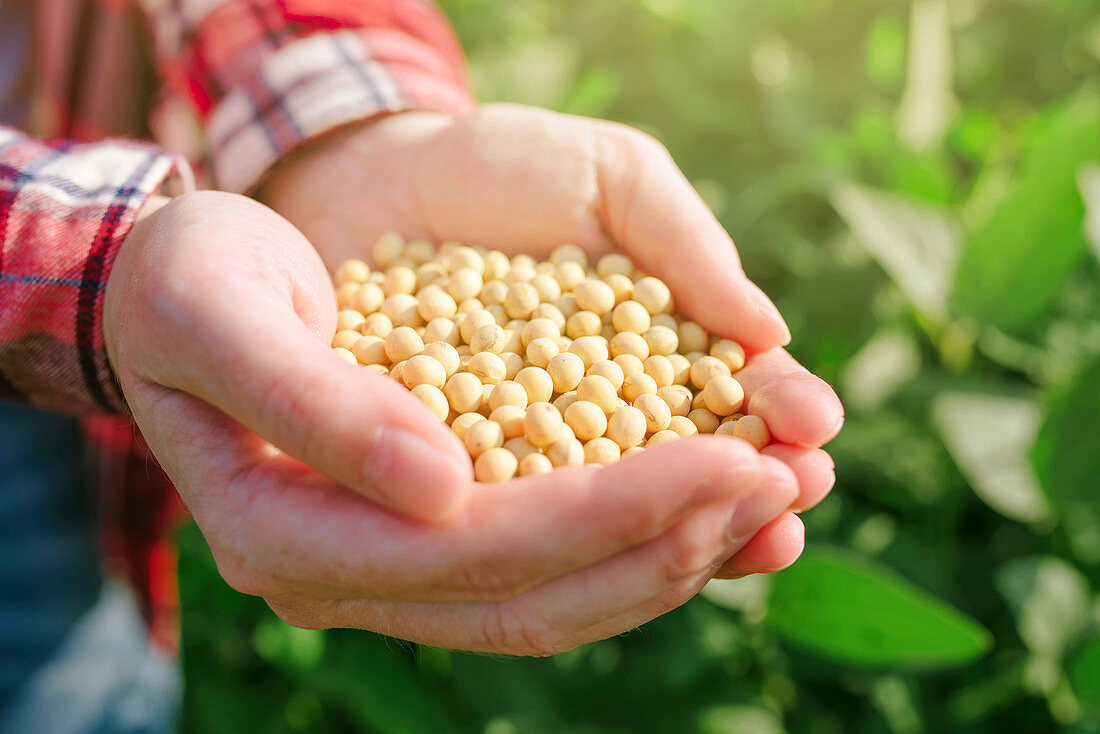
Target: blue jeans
74, 654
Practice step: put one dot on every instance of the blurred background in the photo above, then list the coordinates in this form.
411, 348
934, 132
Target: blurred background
917, 184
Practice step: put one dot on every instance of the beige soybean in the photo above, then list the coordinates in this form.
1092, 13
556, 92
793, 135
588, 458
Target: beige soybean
377, 324
497, 265
656, 412
566, 452
537, 382
653, 294
598, 390
402, 343
510, 419
402, 310
730, 352
614, 262
706, 368
587, 420
520, 447
540, 351
482, 436
436, 304
520, 300
677, 397
723, 395
534, 464
627, 342
345, 338
488, 367
566, 370
638, 384
629, 363
601, 450
583, 323
609, 370
753, 429
388, 248
489, 338
423, 370
445, 354
508, 392
368, 298
591, 349
595, 296
461, 424
661, 340
435, 400
542, 424
399, 279
630, 316
569, 274
349, 320
464, 392
345, 354
660, 369
464, 283
662, 437
621, 286
627, 427
352, 271
682, 426
495, 465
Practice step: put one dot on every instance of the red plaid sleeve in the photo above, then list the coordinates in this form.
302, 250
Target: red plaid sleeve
267, 75
64, 211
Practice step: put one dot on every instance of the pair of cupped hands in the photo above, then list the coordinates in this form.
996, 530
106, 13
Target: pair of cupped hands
331, 492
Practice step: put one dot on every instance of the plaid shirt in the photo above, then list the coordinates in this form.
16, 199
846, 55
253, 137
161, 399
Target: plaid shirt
242, 83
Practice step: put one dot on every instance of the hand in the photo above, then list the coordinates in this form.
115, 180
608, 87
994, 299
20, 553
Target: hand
523, 179
217, 319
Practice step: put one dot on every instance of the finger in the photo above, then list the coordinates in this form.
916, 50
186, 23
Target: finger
799, 408
776, 546
814, 469
251, 346
510, 537
655, 215
549, 618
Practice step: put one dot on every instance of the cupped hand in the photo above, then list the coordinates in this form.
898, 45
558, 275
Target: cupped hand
522, 179
335, 495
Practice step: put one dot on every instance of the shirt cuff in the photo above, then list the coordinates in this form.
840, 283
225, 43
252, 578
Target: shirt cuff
66, 210
319, 83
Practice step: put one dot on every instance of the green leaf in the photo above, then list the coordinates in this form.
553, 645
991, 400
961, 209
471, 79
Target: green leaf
850, 608
1065, 454
1088, 180
1085, 676
1049, 599
915, 244
1014, 266
988, 436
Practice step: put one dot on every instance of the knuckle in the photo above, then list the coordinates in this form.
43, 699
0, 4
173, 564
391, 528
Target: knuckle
688, 554
508, 630
491, 580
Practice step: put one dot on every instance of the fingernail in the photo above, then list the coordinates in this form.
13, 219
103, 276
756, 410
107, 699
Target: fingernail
768, 310
411, 475
756, 511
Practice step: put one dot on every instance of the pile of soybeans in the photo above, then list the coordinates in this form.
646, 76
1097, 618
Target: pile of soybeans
537, 365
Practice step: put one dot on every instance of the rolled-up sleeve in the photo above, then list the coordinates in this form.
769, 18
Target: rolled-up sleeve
268, 75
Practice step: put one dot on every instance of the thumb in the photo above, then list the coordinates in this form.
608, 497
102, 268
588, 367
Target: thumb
652, 212
239, 315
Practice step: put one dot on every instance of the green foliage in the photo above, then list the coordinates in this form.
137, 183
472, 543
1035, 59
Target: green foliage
918, 185
859, 612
